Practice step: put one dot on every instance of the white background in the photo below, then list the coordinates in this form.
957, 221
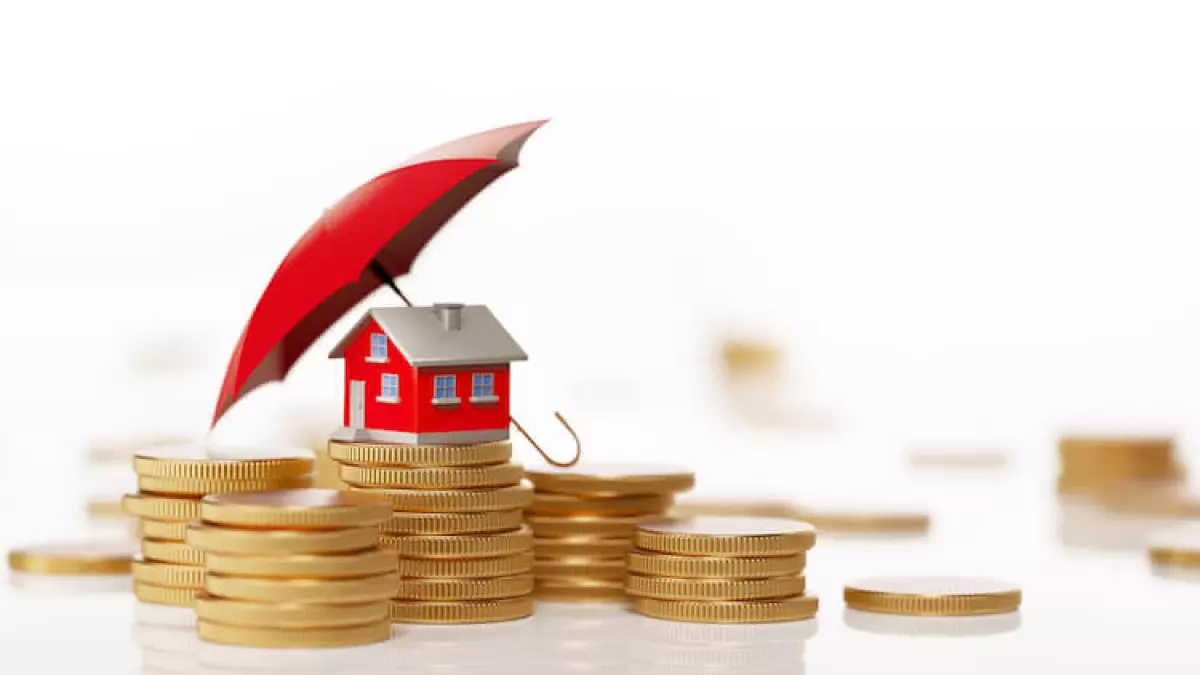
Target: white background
962, 221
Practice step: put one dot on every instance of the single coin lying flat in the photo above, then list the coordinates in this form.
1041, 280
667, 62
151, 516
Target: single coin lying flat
933, 596
75, 557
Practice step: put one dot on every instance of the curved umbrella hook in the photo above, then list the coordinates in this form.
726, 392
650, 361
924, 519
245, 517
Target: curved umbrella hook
548, 458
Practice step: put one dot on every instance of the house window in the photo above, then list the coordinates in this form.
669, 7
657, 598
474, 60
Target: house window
378, 348
389, 390
445, 389
483, 385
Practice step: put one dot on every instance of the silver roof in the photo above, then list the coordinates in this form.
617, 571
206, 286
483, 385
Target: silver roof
422, 337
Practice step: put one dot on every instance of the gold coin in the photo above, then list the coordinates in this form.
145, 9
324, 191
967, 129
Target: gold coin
933, 596
1174, 558
863, 520
166, 574
591, 568
472, 611
302, 638
433, 477
456, 501
748, 611
213, 539
403, 522
332, 591
471, 568
162, 595
459, 545
702, 567
309, 509
726, 536
105, 508
161, 508
492, 588
734, 507
583, 526
566, 547
600, 479
289, 615
581, 590
545, 503
740, 355
74, 558
175, 552
399, 454
188, 461
1094, 444
328, 566
199, 487
667, 588
1176, 547
163, 530
951, 459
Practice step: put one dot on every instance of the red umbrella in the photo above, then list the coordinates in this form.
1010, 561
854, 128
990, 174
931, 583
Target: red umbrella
371, 236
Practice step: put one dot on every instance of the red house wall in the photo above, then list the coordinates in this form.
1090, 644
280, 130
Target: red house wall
400, 416
465, 416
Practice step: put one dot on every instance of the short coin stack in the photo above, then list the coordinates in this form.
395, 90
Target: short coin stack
293, 568
583, 519
721, 569
171, 481
1091, 464
465, 555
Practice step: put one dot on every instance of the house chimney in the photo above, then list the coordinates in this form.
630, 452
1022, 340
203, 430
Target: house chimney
450, 313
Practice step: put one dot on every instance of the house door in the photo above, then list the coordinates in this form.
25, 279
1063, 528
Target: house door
358, 404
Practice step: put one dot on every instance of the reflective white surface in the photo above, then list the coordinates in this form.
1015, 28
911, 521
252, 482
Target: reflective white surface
1091, 605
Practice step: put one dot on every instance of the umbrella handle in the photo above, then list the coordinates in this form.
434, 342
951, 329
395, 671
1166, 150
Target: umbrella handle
563, 421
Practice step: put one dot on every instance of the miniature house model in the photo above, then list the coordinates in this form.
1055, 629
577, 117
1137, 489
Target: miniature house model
429, 375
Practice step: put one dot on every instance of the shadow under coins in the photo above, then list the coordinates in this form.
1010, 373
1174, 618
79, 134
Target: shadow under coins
71, 585
931, 626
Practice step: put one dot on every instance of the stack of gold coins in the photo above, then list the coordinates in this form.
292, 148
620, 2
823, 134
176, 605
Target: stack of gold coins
1095, 463
171, 481
294, 568
465, 555
721, 569
583, 518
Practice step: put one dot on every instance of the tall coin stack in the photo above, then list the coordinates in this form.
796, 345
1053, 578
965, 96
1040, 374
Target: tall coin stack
721, 569
465, 555
583, 520
171, 481
1092, 464
293, 568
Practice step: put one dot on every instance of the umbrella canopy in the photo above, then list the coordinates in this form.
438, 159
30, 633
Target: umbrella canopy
372, 235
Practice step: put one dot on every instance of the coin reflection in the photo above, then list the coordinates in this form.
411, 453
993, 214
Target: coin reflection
1086, 525
171, 647
931, 626
1176, 573
670, 646
71, 585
